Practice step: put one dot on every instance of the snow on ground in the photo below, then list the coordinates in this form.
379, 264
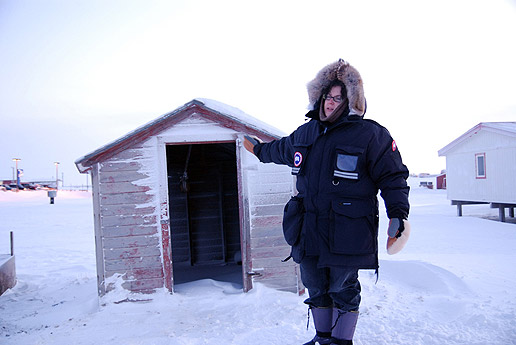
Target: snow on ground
454, 283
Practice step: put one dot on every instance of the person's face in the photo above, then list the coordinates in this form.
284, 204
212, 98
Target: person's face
329, 102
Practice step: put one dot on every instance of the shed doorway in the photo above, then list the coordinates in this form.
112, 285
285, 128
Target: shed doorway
204, 212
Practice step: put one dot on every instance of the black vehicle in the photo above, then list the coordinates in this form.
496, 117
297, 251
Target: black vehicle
28, 186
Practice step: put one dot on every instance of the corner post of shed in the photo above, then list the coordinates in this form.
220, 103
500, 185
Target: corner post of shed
244, 211
164, 217
99, 247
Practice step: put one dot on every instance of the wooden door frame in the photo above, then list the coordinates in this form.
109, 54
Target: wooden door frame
243, 208
164, 215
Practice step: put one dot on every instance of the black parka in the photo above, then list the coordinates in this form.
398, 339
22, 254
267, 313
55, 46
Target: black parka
340, 168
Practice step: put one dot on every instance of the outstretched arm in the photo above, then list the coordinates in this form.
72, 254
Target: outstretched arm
277, 151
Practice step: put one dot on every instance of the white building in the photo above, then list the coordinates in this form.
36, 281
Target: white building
481, 167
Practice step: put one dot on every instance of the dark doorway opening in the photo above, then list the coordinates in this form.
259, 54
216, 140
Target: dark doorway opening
204, 214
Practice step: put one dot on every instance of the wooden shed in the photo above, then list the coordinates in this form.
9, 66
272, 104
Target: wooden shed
481, 167
7, 272
180, 199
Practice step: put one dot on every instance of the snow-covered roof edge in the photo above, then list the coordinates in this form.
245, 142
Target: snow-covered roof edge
504, 128
228, 111
240, 116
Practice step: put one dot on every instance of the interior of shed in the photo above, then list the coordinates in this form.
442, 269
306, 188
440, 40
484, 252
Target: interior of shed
204, 214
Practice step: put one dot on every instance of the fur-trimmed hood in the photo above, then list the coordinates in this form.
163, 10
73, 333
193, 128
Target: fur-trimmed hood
346, 73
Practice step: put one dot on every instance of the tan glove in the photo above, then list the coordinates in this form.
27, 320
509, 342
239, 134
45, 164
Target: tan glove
250, 142
398, 232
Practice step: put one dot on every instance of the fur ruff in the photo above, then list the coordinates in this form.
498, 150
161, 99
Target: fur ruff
346, 73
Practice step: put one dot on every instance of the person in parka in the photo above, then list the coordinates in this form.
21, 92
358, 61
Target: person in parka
341, 161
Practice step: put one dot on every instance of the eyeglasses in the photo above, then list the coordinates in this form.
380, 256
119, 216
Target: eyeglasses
336, 99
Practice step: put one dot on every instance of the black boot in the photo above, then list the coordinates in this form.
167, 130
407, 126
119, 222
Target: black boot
323, 319
317, 340
344, 329
341, 342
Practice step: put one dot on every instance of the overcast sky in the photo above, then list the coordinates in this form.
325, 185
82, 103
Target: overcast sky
75, 75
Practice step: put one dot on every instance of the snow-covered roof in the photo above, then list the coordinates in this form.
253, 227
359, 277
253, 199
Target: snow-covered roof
239, 116
504, 128
233, 114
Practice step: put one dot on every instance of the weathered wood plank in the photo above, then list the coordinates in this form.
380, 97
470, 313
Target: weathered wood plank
132, 153
271, 252
110, 221
130, 242
143, 285
280, 284
286, 288
132, 230
119, 166
286, 281
267, 210
122, 176
268, 221
273, 263
125, 198
276, 241
122, 187
144, 273
134, 252
267, 231
285, 274
122, 266
272, 177
126, 210
270, 188
270, 199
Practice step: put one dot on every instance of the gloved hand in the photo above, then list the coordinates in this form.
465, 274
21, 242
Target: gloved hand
396, 227
250, 142
398, 232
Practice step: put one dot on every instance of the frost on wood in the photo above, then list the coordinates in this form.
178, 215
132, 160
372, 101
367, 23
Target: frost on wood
131, 191
129, 218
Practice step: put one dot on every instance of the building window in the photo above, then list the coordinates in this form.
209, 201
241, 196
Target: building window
480, 164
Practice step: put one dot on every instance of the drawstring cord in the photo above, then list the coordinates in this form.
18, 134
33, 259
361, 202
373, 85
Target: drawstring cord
338, 317
339, 313
308, 317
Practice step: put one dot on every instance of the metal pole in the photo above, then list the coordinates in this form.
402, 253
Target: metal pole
12, 244
57, 174
16, 160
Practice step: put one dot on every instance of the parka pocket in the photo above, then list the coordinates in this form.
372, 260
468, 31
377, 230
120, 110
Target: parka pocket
352, 229
293, 215
347, 162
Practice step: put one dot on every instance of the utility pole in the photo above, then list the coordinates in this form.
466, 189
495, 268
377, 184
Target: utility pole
16, 160
57, 174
